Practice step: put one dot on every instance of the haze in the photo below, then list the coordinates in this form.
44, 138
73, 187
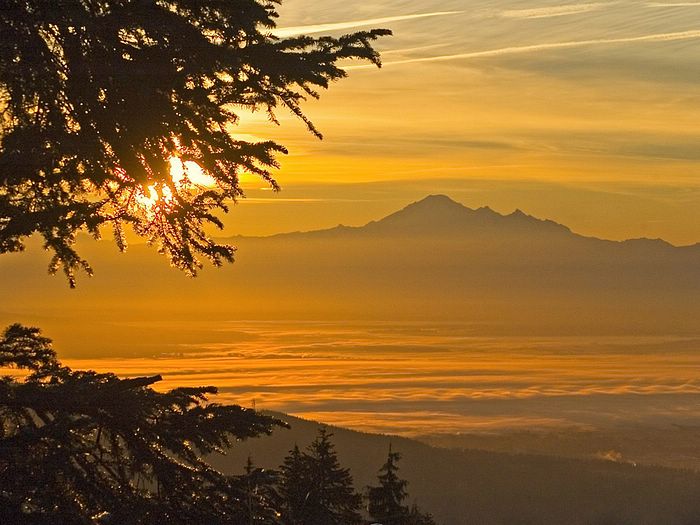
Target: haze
437, 319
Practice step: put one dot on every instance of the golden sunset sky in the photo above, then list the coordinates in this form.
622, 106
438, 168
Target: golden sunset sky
585, 113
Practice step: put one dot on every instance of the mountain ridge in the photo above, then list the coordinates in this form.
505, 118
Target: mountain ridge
426, 216
509, 274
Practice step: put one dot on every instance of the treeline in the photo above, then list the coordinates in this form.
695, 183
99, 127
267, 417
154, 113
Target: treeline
79, 447
312, 488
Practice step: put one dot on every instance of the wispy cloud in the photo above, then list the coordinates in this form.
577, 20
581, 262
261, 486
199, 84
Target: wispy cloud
322, 28
551, 11
673, 4
405, 50
532, 48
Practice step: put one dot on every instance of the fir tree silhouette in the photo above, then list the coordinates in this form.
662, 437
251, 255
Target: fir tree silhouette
82, 447
386, 501
317, 490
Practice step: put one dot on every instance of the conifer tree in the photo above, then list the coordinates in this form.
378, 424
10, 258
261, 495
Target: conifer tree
117, 112
320, 491
333, 500
81, 447
386, 501
294, 487
260, 499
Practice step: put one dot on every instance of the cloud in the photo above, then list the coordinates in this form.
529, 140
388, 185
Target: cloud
414, 423
533, 48
673, 4
551, 11
322, 28
356, 145
402, 378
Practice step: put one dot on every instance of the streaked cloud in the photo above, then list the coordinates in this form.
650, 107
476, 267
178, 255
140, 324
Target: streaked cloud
533, 48
406, 378
673, 4
408, 423
551, 11
338, 26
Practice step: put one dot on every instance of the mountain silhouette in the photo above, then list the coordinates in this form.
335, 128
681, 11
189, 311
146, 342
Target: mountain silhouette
439, 215
435, 259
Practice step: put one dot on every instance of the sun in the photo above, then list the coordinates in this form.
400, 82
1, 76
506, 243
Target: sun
187, 175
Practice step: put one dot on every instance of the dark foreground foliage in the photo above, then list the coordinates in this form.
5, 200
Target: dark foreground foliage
82, 447
316, 489
100, 97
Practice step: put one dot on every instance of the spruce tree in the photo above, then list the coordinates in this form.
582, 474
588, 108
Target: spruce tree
333, 499
319, 490
115, 112
260, 499
294, 487
386, 501
81, 447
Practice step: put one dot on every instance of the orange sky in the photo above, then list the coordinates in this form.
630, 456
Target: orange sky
584, 113
594, 105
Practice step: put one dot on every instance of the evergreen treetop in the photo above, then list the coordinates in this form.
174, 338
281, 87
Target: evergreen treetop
318, 490
115, 110
386, 501
294, 487
259, 496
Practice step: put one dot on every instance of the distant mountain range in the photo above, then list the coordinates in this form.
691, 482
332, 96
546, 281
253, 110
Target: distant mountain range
439, 216
437, 259
433, 260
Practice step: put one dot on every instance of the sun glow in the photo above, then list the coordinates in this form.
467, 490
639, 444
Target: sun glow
185, 175
189, 173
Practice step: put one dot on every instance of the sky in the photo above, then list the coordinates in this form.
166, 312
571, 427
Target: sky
585, 113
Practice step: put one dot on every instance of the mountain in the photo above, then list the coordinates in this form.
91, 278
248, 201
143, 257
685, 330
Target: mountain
438, 215
472, 486
434, 260
437, 259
